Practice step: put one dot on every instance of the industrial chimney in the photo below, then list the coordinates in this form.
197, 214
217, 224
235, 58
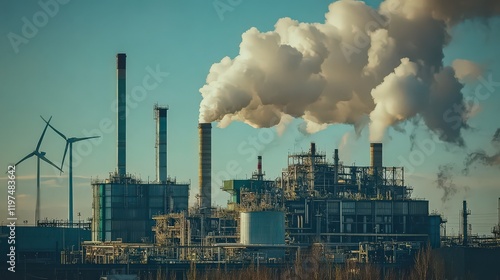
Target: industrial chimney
465, 213
161, 143
122, 111
205, 169
336, 178
376, 155
260, 174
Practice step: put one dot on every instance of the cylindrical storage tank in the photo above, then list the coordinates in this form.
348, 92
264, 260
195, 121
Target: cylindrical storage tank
435, 231
262, 227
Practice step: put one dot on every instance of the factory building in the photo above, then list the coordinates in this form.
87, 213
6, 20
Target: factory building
123, 206
124, 210
314, 201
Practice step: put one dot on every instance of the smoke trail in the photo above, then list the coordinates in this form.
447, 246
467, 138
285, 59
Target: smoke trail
444, 181
385, 64
480, 156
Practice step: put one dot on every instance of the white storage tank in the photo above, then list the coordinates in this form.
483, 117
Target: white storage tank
262, 227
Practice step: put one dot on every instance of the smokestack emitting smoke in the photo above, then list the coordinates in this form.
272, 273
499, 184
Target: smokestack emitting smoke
205, 168
161, 143
385, 64
376, 155
122, 107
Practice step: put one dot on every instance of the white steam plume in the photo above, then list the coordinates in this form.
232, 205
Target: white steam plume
385, 64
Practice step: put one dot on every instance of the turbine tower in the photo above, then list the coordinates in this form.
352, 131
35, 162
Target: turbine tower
39, 155
69, 143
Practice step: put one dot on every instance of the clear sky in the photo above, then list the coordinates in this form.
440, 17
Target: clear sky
64, 66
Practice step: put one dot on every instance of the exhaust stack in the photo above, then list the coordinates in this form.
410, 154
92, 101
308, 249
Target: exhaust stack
122, 111
376, 155
205, 168
161, 143
259, 174
259, 165
336, 178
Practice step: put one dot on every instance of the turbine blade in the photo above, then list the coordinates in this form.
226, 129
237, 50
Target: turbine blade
41, 137
48, 161
64, 156
26, 157
53, 128
84, 138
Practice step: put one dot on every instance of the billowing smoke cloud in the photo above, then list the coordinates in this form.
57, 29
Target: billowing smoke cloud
480, 156
384, 66
466, 70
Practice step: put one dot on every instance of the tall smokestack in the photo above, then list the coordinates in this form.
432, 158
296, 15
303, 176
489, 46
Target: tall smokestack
376, 155
259, 165
336, 178
205, 170
122, 111
161, 143
313, 149
464, 220
260, 175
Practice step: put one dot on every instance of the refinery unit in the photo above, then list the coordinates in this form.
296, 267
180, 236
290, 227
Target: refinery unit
342, 208
344, 212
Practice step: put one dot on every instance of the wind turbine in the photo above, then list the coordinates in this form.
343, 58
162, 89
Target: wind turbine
39, 155
69, 143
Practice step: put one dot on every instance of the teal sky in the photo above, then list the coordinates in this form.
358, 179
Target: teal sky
67, 70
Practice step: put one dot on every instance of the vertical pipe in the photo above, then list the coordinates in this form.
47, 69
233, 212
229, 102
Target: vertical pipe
161, 143
336, 175
313, 168
122, 111
205, 167
464, 219
499, 212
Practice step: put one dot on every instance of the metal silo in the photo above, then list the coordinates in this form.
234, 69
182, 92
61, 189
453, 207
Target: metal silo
262, 228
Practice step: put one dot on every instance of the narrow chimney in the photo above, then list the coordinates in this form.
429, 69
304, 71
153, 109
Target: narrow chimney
312, 167
260, 175
259, 165
205, 168
376, 155
465, 213
122, 107
161, 143
336, 178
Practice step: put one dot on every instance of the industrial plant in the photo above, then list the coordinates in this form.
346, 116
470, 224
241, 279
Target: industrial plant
349, 213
